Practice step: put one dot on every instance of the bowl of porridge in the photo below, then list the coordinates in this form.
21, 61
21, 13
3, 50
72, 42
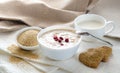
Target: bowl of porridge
58, 42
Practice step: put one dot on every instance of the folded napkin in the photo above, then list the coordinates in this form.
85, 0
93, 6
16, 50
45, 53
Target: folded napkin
41, 13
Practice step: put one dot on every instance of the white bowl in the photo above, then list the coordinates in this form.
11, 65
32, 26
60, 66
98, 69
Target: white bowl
58, 54
27, 47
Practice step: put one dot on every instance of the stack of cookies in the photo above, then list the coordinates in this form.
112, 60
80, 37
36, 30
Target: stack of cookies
93, 56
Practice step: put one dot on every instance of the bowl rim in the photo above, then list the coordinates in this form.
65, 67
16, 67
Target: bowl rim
21, 31
57, 27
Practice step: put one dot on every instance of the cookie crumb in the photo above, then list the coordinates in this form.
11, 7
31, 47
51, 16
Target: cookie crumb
20, 52
15, 60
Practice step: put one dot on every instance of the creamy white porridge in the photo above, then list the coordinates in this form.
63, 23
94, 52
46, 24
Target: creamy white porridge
60, 38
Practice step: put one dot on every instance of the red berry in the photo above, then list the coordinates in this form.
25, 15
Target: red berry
61, 38
67, 40
59, 41
55, 38
61, 44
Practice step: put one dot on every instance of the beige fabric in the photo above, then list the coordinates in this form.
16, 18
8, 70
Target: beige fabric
41, 13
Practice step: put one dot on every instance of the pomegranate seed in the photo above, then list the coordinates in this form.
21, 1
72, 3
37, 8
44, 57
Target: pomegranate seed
67, 40
55, 38
61, 38
59, 41
61, 44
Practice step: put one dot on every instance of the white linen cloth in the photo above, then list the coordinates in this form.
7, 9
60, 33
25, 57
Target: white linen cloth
71, 65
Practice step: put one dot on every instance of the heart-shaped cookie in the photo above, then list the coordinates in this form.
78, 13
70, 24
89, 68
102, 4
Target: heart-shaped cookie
107, 51
91, 58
